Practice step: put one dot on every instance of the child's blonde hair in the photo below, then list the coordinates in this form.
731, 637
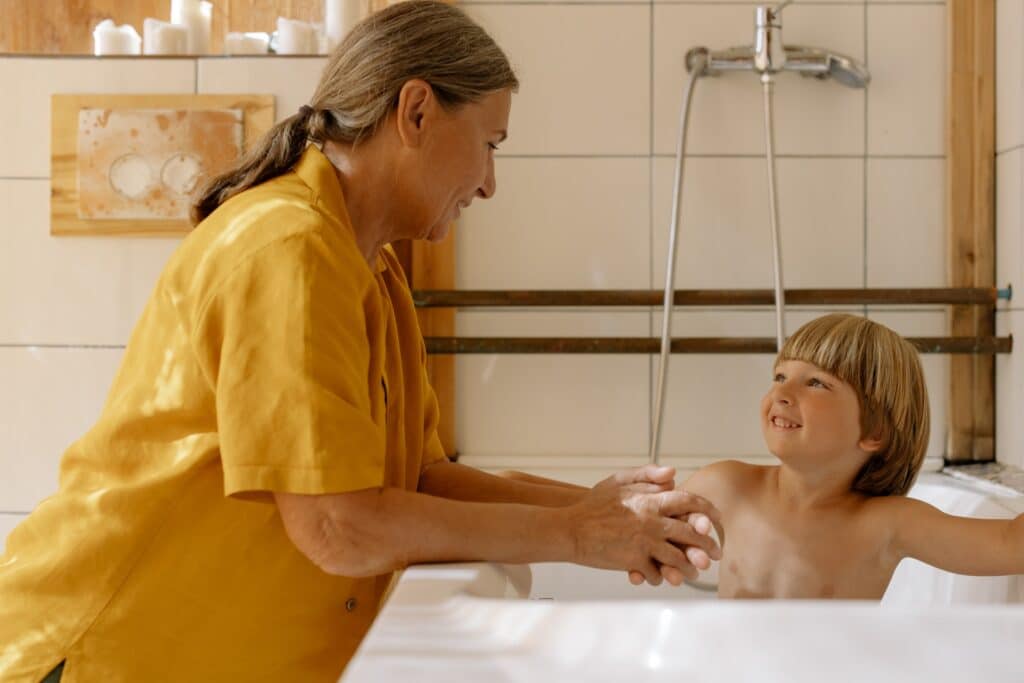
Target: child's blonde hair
884, 370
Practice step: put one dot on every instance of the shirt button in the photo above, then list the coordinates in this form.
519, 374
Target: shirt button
350, 604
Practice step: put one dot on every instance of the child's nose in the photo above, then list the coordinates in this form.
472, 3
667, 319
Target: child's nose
781, 395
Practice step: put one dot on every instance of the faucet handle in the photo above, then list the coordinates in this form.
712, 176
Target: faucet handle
774, 13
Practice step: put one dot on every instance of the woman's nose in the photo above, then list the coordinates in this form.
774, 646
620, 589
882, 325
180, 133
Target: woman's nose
490, 184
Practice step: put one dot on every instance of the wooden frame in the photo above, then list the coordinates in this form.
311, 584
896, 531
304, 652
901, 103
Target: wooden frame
257, 118
970, 217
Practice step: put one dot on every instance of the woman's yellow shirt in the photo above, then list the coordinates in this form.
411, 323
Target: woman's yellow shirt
270, 357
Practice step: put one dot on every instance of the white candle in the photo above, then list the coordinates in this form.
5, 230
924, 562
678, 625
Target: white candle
161, 38
339, 17
246, 43
195, 16
296, 37
109, 39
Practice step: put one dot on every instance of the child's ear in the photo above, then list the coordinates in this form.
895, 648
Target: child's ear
872, 444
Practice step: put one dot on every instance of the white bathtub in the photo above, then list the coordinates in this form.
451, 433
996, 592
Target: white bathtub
550, 622
913, 584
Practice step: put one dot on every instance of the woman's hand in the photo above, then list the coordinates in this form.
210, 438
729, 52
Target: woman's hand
640, 526
697, 557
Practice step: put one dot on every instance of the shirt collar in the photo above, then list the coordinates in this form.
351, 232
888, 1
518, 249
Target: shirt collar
317, 171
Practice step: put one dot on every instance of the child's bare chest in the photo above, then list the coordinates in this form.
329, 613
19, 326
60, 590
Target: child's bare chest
772, 555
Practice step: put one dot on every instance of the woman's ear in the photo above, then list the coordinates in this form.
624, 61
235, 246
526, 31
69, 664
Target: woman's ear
416, 102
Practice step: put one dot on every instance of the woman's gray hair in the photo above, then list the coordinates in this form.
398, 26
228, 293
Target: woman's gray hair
359, 88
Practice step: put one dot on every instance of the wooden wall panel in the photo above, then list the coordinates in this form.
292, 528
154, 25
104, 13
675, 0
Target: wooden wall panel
970, 197
65, 26
261, 15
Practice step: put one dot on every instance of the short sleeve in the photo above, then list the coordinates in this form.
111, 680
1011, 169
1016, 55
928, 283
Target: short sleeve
285, 342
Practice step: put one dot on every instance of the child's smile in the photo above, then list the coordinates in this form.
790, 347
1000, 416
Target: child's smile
781, 423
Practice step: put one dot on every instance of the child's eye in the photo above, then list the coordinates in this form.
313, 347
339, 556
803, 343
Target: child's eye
779, 377
815, 382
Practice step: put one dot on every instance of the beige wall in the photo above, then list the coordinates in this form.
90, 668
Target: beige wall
67, 305
584, 201
1009, 225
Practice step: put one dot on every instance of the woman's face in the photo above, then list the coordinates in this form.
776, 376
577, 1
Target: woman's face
456, 161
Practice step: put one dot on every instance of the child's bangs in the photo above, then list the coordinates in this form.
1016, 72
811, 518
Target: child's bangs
834, 343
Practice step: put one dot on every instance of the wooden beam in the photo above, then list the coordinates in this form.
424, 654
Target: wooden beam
466, 298
970, 192
433, 265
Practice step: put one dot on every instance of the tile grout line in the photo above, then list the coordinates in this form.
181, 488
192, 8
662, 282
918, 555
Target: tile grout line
699, 3
864, 188
650, 222
99, 347
802, 157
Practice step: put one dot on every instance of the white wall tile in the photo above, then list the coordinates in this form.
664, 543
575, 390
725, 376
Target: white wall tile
577, 405
291, 80
584, 78
906, 98
1010, 391
727, 114
49, 398
1009, 74
559, 223
711, 401
60, 290
906, 223
1009, 226
936, 366
725, 235
30, 81
7, 524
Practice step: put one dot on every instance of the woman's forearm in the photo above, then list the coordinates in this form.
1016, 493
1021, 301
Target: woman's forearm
459, 482
616, 525
375, 531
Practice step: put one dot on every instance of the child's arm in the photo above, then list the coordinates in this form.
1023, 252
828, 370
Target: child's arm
963, 545
720, 483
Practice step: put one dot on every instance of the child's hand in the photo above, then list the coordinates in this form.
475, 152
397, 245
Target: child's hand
703, 525
659, 477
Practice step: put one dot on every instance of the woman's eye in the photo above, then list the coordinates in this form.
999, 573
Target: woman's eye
492, 146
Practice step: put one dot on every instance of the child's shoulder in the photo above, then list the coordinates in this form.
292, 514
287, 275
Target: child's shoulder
889, 506
726, 477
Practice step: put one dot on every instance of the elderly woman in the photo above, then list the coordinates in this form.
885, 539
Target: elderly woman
268, 455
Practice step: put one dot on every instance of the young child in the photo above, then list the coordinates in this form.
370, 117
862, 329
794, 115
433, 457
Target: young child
847, 416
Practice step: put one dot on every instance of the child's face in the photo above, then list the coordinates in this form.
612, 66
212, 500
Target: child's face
809, 416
